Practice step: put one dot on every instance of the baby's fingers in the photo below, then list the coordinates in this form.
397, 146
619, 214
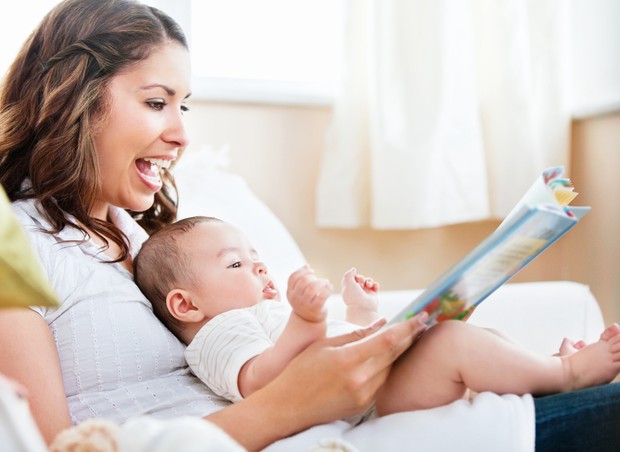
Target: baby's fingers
367, 283
318, 290
298, 275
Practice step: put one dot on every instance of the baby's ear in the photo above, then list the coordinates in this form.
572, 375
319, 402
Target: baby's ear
179, 303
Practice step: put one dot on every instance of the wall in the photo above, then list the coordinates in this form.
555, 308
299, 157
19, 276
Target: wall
277, 149
595, 244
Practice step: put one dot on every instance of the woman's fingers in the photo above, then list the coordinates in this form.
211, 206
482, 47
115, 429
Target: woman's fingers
356, 335
340, 375
388, 344
368, 359
372, 350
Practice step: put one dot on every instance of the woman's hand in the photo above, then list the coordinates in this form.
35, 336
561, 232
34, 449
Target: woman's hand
332, 379
339, 376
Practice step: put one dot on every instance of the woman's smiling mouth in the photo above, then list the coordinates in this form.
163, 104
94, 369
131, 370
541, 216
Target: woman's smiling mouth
150, 168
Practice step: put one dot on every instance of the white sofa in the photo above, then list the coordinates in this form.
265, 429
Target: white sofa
537, 315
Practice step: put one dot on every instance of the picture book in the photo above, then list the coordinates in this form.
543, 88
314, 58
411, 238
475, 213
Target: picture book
22, 279
542, 216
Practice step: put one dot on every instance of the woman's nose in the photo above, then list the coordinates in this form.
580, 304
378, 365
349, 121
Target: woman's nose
176, 132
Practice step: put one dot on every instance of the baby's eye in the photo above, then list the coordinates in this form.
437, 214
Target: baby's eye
157, 105
235, 265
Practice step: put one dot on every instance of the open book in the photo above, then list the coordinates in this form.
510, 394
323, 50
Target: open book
22, 279
540, 218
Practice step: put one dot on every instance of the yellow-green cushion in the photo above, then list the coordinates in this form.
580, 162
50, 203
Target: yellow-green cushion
22, 280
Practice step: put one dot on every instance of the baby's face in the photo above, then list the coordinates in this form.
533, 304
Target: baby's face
226, 269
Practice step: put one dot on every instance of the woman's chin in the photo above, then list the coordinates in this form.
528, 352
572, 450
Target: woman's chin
141, 204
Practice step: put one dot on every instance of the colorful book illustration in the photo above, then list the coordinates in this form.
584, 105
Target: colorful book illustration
542, 216
22, 278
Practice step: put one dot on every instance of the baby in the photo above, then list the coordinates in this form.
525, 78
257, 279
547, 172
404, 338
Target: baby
208, 286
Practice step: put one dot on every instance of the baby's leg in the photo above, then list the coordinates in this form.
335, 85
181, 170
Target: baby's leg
453, 356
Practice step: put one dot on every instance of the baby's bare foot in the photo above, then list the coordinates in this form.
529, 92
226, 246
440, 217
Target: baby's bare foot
593, 364
610, 332
568, 347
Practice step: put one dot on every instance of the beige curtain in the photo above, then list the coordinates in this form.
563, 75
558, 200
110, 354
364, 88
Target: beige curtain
447, 111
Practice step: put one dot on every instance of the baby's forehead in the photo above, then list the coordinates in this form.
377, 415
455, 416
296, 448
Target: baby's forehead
217, 232
209, 226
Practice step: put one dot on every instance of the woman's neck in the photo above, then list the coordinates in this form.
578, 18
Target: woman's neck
101, 211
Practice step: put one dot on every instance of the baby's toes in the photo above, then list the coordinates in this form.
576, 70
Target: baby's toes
614, 342
567, 347
611, 331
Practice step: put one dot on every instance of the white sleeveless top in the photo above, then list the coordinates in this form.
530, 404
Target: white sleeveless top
118, 361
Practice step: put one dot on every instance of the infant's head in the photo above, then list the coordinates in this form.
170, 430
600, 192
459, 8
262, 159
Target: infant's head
198, 268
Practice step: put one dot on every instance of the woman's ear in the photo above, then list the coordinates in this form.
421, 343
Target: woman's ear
180, 305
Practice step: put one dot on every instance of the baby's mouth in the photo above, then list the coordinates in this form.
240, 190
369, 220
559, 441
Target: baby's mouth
270, 290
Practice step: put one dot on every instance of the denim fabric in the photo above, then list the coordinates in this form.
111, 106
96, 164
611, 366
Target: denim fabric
584, 420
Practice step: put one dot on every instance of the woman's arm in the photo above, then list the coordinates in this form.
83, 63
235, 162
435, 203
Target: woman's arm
331, 379
28, 355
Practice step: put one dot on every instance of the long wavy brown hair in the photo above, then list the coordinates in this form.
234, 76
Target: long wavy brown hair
54, 96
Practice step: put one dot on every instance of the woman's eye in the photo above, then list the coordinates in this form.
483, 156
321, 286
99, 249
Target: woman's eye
157, 105
184, 108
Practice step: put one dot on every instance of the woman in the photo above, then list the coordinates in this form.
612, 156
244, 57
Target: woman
91, 117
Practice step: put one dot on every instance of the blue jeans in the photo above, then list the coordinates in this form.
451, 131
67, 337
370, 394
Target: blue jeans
584, 420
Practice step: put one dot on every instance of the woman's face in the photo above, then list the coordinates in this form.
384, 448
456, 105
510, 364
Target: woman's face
143, 129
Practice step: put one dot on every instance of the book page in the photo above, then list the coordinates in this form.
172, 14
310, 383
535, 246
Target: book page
476, 282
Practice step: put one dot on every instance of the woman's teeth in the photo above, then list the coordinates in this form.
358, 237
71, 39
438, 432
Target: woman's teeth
158, 164
150, 169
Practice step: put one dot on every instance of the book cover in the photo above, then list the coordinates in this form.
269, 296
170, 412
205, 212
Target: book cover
542, 216
22, 279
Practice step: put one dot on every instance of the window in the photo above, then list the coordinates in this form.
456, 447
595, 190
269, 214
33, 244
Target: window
275, 51
288, 51
16, 26
595, 42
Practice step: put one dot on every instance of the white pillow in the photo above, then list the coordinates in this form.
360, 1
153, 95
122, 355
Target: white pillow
206, 189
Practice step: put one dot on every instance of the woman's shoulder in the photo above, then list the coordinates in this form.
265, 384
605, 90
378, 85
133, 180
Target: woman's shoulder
29, 217
57, 252
28, 212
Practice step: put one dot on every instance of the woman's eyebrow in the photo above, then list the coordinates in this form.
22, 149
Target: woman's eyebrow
170, 91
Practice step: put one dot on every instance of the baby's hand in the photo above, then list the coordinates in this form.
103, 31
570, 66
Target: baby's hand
360, 295
307, 294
